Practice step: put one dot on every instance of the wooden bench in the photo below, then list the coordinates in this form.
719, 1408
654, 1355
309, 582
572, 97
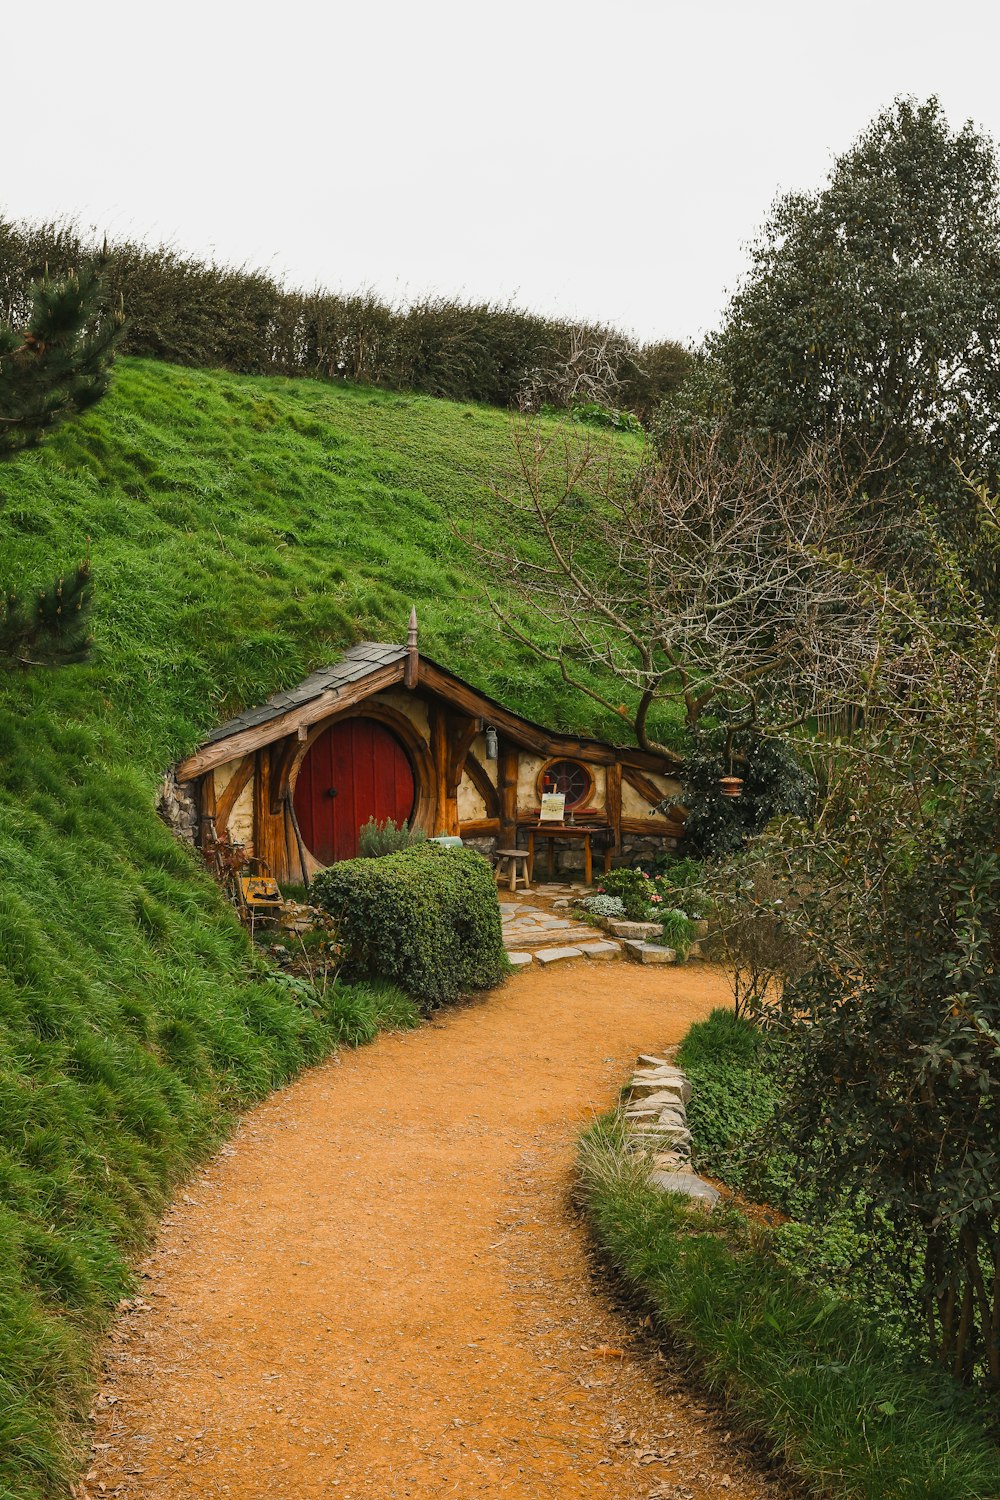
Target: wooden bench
517, 865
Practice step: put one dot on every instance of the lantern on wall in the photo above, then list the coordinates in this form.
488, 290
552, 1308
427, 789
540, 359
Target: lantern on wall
491, 742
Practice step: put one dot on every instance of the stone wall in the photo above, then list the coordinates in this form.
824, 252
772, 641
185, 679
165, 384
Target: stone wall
177, 806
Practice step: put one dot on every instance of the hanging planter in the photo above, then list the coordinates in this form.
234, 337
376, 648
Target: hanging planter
731, 786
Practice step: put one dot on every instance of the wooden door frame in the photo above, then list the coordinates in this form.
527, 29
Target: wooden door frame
413, 743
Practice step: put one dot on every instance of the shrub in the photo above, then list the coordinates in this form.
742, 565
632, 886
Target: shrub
604, 906
773, 783
632, 888
678, 929
426, 918
388, 837
198, 313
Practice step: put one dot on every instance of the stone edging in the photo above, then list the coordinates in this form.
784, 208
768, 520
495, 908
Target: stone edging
655, 1116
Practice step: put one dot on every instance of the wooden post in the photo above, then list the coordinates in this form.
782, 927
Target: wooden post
445, 795
507, 783
206, 810
613, 804
411, 671
268, 827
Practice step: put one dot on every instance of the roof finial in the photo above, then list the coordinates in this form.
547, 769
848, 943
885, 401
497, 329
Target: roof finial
412, 670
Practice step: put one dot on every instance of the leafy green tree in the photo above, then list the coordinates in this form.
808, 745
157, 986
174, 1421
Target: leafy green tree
871, 315
891, 896
55, 367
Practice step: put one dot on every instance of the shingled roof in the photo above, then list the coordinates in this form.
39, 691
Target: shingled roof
357, 662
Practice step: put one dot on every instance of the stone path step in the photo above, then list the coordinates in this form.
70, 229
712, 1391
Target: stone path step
536, 934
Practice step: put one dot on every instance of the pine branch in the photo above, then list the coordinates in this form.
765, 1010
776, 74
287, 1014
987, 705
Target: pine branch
60, 364
49, 630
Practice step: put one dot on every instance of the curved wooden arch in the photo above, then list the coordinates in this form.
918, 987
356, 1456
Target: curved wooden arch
409, 736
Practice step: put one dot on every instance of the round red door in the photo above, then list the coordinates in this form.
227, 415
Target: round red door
353, 771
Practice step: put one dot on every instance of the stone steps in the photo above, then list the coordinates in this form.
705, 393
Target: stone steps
536, 934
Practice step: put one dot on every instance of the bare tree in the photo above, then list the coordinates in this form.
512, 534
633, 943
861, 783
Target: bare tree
590, 369
712, 579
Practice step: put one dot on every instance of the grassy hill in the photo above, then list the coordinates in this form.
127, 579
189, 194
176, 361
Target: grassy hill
241, 530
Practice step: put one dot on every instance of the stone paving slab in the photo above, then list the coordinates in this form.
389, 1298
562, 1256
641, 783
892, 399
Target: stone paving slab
556, 955
618, 927
648, 953
519, 960
602, 950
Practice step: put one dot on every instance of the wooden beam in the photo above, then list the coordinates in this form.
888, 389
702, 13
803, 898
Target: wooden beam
268, 828
480, 827
653, 827
531, 736
483, 785
230, 794
282, 759
207, 826
247, 741
507, 787
613, 804
478, 707
460, 737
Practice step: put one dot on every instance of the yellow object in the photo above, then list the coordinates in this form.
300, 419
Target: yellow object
260, 891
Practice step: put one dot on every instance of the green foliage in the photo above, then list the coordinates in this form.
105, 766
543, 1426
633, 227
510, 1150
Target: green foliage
242, 531
220, 317
871, 312
678, 929
593, 414
604, 906
53, 629
802, 1370
426, 918
632, 888
59, 363
356, 1013
774, 783
376, 839
645, 898
896, 1083
734, 1091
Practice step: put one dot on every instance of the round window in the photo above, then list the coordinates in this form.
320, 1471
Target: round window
570, 777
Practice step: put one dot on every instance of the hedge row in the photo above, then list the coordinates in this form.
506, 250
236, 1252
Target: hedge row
426, 918
192, 312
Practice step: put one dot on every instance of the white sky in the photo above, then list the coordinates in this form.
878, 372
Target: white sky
603, 161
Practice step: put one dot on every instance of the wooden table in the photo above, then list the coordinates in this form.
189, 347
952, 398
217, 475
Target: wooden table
552, 831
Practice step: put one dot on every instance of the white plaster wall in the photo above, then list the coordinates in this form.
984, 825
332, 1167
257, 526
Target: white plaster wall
223, 775
410, 705
634, 804
528, 767
478, 752
470, 803
241, 817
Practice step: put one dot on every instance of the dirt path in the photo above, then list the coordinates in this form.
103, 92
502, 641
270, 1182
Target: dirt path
379, 1290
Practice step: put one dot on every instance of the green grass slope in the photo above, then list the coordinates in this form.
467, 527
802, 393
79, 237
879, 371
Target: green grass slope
241, 530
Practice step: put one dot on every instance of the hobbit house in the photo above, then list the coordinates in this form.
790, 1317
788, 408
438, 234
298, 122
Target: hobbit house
384, 732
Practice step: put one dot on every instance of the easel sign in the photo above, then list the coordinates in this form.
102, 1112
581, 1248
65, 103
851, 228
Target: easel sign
553, 807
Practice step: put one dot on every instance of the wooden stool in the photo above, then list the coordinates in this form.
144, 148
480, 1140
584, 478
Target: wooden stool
517, 864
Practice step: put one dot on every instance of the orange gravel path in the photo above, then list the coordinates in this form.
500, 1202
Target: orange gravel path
379, 1289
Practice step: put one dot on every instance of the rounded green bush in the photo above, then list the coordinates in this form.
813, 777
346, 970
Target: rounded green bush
426, 918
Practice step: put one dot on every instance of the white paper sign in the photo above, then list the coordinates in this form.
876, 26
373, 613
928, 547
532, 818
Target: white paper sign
553, 807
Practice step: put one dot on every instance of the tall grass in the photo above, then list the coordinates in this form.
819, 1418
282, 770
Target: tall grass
241, 531
799, 1369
